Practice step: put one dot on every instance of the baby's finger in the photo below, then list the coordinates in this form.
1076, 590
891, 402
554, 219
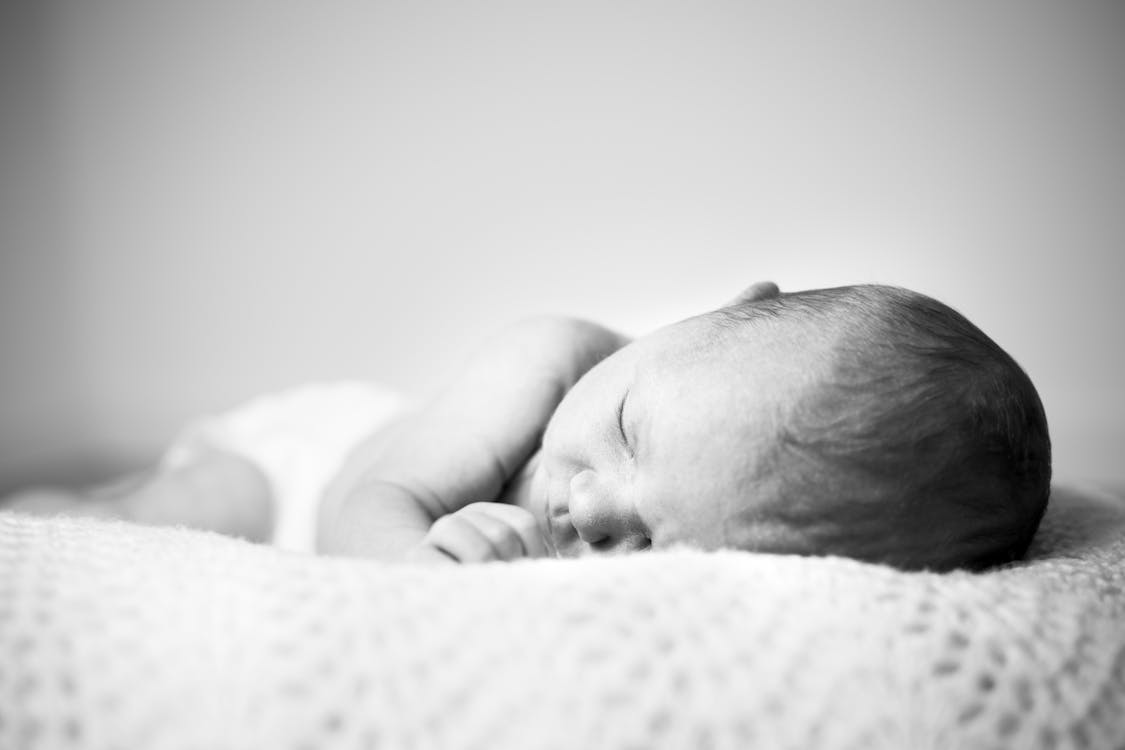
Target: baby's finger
517, 522
460, 538
502, 535
425, 554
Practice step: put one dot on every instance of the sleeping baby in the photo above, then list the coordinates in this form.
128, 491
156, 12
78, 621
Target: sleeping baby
868, 421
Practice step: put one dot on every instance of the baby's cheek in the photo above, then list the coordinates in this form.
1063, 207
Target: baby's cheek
590, 510
760, 532
560, 452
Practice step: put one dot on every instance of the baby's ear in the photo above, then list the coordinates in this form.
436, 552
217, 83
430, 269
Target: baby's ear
759, 290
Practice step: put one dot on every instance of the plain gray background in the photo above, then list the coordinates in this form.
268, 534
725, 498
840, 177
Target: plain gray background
200, 201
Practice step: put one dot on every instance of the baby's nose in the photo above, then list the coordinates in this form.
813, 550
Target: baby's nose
602, 517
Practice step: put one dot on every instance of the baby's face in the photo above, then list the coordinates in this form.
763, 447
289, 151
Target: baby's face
661, 443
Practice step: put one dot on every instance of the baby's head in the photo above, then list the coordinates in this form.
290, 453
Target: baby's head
870, 422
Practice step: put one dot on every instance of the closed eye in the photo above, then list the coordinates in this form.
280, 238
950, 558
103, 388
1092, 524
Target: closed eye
621, 422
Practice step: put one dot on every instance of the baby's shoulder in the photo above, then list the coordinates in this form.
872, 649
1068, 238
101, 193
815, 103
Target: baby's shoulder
555, 344
563, 331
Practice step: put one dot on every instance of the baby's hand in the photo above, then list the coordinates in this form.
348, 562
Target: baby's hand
481, 532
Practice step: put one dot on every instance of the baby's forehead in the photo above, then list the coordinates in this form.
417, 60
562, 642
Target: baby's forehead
747, 352
728, 384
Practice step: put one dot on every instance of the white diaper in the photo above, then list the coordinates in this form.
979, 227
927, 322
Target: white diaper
299, 439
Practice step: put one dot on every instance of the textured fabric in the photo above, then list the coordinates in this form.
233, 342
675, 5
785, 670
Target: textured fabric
298, 438
121, 636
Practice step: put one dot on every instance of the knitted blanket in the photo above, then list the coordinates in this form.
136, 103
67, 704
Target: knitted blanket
121, 636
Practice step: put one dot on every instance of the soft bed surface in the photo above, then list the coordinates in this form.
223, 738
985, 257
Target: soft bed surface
120, 636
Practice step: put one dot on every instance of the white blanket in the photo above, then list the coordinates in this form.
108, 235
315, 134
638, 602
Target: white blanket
121, 636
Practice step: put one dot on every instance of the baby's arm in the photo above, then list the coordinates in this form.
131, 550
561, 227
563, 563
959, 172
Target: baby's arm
461, 449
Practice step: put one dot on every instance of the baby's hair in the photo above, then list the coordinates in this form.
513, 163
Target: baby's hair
916, 417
